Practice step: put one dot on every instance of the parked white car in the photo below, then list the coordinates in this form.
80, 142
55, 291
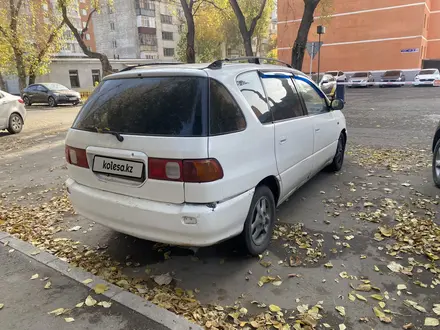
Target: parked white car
339, 75
426, 77
12, 113
194, 154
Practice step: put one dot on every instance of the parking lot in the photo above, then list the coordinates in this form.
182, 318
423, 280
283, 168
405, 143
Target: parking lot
332, 237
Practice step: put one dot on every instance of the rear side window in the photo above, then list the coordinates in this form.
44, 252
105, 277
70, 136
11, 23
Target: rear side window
225, 115
251, 88
165, 106
282, 97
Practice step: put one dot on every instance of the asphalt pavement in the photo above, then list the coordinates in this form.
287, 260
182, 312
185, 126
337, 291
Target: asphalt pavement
27, 303
389, 131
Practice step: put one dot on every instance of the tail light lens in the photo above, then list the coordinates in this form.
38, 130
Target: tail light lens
197, 170
20, 101
76, 156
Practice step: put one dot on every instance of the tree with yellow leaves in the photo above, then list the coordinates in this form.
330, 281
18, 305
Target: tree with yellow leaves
29, 34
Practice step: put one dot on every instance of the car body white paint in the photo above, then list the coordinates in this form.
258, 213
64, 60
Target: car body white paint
200, 214
426, 79
8, 105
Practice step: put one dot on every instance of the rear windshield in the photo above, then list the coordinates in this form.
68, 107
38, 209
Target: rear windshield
391, 73
170, 106
360, 74
427, 71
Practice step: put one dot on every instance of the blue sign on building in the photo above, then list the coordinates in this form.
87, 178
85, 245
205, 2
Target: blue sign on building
410, 50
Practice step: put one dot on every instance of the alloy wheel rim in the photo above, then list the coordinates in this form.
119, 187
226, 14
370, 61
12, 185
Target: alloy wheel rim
437, 164
340, 151
51, 102
16, 123
261, 221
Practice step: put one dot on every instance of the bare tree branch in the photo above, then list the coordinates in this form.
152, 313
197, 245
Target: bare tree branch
256, 18
86, 28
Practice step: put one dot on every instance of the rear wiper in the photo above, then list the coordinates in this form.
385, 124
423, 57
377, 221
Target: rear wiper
106, 131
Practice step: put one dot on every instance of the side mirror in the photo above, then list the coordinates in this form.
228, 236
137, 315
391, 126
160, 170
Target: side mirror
324, 82
337, 104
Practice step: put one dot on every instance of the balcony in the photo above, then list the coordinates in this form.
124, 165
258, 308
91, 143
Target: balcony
148, 48
145, 12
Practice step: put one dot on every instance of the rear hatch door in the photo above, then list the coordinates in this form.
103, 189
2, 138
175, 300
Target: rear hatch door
135, 120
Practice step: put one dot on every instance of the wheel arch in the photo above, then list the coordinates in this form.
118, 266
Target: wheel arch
436, 138
273, 184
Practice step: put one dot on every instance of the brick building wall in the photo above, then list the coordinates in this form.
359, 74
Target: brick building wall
366, 34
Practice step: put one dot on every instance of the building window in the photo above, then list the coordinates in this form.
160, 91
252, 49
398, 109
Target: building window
110, 9
145, 4
112, 26
167, 35
83, 12
167, 19
46, 7
114, 44
96, 77
89, 48
84, 24
424, 22
145, 21
67, 34
87, 36
168, 52
74, 78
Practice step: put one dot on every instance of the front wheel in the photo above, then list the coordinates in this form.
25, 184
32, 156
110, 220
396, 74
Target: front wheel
52, 102
27, 101
338, 160
436, 164
15, 123
260, 221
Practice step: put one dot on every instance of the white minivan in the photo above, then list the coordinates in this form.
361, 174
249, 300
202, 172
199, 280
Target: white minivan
194, 154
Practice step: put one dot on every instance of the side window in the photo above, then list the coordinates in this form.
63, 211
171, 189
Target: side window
282, 97
225, 115
315, 103
340, 73
251, 88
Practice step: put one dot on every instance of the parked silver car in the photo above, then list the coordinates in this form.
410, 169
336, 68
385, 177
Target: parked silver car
361, 79
12, 113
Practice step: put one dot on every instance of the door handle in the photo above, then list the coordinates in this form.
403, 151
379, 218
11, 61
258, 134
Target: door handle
317, 129
283, 140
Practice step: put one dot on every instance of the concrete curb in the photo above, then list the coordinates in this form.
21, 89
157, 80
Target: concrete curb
115, 293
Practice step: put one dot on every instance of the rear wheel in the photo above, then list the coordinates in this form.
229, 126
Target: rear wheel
260, 221
15, 123
338, 160
436, 164
27, 101
52, 102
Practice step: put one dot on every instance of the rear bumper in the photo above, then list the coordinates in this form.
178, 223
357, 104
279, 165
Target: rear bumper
162, 222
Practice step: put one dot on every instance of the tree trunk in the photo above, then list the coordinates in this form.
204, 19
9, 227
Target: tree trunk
105, 63
21, 70
299, 46
245, 32
32, 78
247, 41
2, 83
190, 41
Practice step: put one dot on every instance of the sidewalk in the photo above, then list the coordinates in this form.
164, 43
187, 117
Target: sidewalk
27, 302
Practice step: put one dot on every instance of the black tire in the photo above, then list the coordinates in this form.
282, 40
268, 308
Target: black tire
27, 101
435, 168
338, 160
15, 123
75, 103
52, 102
255, 243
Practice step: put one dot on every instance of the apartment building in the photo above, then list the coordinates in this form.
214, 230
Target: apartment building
138, 29
373, 35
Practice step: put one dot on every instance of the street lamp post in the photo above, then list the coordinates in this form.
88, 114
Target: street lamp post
320, 30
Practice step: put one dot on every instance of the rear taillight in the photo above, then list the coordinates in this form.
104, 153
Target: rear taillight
76, 156
194, 170
20, 101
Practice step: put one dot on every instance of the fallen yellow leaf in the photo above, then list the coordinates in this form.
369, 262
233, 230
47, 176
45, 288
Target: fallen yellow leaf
90, 301
100, 288
69, 319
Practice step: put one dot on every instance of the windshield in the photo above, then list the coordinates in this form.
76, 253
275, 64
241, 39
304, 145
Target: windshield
170, 106
360, 74
427, 72
55, 87
333, 73
391, 73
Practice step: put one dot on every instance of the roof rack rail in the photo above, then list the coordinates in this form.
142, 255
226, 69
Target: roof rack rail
251, 59
131, 67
